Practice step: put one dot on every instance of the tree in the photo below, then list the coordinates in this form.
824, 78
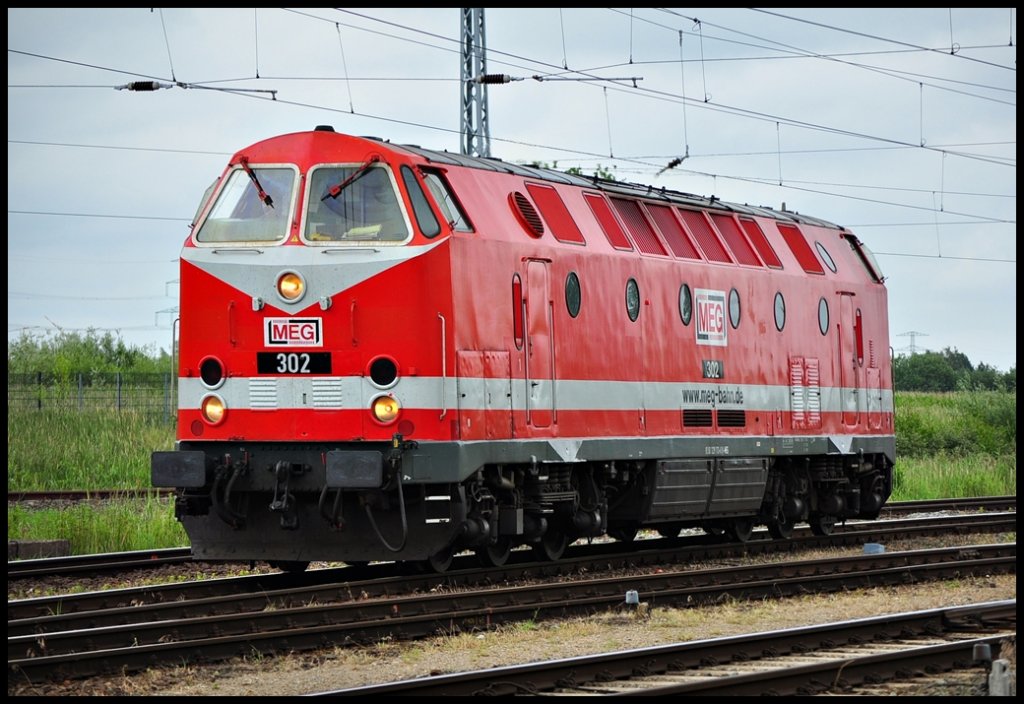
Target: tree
949, 370
64, 353
928, 371
957, 360
987, 378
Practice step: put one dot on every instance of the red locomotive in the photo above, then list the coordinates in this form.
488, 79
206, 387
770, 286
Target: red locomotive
393, 353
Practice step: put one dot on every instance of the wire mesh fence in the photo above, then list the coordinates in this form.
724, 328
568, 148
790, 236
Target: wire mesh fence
151, 394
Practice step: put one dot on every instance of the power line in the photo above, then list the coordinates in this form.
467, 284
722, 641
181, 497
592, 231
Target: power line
97, 215
789, 184
79, 145
944, 256
884, 39
25, 294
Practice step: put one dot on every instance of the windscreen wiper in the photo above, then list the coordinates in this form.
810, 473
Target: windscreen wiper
264, 196
335, 190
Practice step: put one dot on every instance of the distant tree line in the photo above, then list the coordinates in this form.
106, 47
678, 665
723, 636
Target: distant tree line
949, 370
65, 353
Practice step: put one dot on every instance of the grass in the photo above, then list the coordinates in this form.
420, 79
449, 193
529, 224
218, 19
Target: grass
71, 451
943, 476
947, 445
119, 525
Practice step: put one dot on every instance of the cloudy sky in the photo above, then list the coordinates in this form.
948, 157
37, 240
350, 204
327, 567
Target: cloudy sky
898, 123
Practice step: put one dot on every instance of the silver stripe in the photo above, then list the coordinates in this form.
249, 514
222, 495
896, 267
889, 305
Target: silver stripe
296, 392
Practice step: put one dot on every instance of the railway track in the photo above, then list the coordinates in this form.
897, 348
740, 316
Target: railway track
113, 563
130, 638
831, 658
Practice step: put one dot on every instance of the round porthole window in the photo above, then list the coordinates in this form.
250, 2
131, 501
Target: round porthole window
632, 300
734, 308
572, 294
823, 316
685, 304
780, 311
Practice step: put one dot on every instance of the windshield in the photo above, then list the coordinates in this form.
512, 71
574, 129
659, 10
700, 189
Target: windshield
242, 213
354, 203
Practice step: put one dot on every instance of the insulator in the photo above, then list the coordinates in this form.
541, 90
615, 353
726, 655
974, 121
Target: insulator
144, 86
491, 78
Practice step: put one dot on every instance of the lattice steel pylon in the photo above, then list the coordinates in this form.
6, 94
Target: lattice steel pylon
476, 134
913, 335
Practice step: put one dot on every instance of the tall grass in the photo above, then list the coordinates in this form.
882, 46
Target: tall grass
944, 476
955, 445
74, 451
122, 525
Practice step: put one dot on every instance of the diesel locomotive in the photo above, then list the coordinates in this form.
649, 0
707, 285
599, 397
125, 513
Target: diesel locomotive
388, 352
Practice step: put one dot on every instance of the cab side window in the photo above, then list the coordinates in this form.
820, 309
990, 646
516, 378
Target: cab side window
446, 201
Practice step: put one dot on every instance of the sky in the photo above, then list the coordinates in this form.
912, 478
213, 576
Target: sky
897, 123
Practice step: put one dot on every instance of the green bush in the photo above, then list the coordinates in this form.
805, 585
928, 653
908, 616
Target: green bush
956, 424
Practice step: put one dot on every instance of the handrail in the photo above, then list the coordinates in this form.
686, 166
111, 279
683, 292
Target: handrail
444, 368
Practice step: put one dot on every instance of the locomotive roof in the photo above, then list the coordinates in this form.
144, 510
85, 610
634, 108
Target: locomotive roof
635, 190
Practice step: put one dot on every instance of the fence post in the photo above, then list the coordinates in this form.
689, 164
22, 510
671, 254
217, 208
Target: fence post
81, 399
167, 397
117, 383
39, 391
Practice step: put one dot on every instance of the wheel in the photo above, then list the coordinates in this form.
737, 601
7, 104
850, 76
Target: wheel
625, 535
740, 529
440, 561
496, 554
358, 564
822, 524
551, 546
291, 566
669, 532
780, 529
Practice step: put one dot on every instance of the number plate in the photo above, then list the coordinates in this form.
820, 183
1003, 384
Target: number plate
712, 369
293, 362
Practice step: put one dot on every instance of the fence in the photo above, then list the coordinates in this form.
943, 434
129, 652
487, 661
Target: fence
149, 394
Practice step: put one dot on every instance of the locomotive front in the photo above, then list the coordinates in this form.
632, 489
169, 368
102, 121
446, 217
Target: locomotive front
314, 297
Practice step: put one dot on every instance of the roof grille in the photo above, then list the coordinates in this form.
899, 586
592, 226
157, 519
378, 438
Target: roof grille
528, 215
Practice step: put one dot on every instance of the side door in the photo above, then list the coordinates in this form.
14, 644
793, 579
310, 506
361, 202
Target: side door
849, 362
540, 366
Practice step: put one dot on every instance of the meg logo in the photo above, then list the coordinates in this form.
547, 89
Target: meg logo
293, 332
710, 313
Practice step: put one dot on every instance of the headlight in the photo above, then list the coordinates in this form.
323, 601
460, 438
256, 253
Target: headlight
290, 286
213, 409
385, 409
211, 372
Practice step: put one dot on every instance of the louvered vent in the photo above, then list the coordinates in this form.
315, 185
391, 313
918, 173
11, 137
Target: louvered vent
528, 215
696, 418
728, 418
262, 393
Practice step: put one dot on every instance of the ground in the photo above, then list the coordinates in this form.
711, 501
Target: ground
345, 667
